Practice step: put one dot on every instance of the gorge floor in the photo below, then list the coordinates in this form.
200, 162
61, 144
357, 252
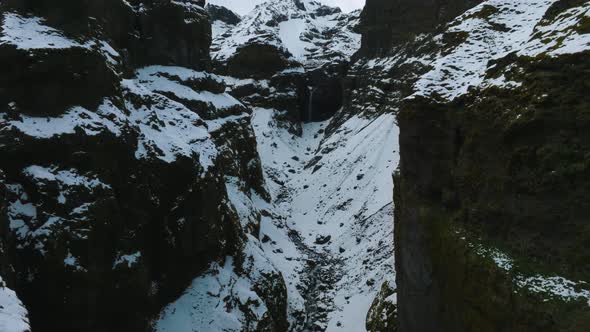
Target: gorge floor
331, 231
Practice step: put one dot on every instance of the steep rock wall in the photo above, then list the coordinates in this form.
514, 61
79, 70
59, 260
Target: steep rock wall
386, 23
490, 231
114, 174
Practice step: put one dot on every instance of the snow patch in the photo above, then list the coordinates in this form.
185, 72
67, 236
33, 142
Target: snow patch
30, 33
127, 260
487, 37
107, 118
13, 314
553, 287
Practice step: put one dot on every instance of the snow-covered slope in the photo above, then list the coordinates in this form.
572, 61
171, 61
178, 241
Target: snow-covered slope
310, 31
327, 230
331, 234
13, 315
462, 55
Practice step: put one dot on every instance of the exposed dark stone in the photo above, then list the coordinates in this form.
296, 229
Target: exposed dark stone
48, 82
299, 4
386, 23
257, 61
220, 13
327, 10
321, 239
326, 85
171, 35
469, 171
7, 243
144, 35
382, 314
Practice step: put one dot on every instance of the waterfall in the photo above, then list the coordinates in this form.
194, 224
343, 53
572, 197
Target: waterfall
310, 106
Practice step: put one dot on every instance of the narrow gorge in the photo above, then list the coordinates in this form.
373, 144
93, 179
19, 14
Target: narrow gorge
411, 166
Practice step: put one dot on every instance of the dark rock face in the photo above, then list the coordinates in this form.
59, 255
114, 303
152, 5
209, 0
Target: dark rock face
326, 10
418, 294
142, 29
87, 82
172, 35
486, 200
386, 23
299, 4
7, 245
326, 85
110, 200
382, 314
477, 220
477, 171
220, 13
257, 61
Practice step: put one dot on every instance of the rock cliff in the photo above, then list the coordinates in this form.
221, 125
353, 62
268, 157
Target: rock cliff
489, 228
116, 153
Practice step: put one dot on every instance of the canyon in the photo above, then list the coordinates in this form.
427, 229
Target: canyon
171, 165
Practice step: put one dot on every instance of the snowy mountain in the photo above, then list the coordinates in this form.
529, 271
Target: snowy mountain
312, 33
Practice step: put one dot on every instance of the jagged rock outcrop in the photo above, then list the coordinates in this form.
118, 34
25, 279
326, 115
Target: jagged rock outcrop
382, 315
385, 23
326, 91
116, 164
220, 13
490, 230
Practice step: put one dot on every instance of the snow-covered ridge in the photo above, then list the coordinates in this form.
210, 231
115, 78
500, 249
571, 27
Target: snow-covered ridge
308, 30
561, 35
492, 30
467, 47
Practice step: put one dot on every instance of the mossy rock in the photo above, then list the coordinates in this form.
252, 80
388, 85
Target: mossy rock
382, 316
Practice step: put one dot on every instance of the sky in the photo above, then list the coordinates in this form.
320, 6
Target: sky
242, 7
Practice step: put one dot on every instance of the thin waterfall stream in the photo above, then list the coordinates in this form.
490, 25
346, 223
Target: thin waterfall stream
310, 106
